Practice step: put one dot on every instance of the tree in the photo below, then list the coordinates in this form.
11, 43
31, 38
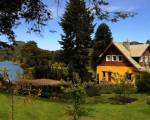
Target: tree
143, 84
35, 58
123, 83
135, 43
77, 25
148, 42
103, 38
77, 94
29, 54
31, 11
36, 14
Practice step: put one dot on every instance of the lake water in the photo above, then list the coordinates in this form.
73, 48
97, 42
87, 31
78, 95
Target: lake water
12, 68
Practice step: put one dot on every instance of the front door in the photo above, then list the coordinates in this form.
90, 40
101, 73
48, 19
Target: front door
109, 76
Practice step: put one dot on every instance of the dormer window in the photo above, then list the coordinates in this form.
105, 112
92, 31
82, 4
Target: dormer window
114, 57
108, 58
120, 58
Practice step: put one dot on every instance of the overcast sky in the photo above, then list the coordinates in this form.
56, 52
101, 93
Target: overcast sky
133, 29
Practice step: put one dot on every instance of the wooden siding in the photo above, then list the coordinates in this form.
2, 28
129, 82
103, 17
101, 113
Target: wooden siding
146, 53
114, 51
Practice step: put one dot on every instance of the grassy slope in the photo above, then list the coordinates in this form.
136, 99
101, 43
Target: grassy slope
99, 109
33, 110
138, 110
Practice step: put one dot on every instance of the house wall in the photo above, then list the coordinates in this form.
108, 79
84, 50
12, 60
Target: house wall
116, 69
146, 53
120, 67
113, 51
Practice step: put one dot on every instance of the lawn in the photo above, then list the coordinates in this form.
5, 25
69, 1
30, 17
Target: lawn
99, 108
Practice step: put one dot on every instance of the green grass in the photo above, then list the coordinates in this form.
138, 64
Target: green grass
99, 108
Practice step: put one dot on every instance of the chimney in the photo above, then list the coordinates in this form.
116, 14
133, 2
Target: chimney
126, 44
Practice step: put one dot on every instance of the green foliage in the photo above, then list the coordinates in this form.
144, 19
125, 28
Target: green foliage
77, 97
148, 100
31, 11
76, 93
37, 13
30, 54
103, 37
148, 42
77, 25
41, 72
122, 83
98, 109
6, 54
143, 84
58, 70
1, 80
104, 14
116, 88
93, 89
1, 76
107, 88
34, 57
13, 53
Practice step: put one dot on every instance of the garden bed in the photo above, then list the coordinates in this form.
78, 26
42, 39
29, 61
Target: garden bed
122, 99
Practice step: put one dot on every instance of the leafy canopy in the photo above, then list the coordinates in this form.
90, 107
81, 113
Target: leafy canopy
36, 13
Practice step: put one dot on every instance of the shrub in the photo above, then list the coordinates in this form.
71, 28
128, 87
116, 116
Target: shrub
116, 88
1, 79
143, 84
148, 100
123, 82
77, 99
107, 88
128, 89
93, 90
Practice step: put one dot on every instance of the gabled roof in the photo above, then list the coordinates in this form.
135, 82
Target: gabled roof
138, 50
128, 54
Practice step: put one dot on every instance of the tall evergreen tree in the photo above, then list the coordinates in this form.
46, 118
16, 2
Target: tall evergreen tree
77, 24
103, 38
148, 42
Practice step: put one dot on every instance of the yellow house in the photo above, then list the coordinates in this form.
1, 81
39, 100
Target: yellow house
123, 58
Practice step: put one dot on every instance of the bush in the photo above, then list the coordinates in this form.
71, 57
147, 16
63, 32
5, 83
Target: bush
143, 85
148, 100
1, 79
107, 88
128, 89
93, 90
116, 88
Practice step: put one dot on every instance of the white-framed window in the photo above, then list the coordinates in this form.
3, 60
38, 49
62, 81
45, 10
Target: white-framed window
120, 58
141, 59
146, 59
114, 58
108, 58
